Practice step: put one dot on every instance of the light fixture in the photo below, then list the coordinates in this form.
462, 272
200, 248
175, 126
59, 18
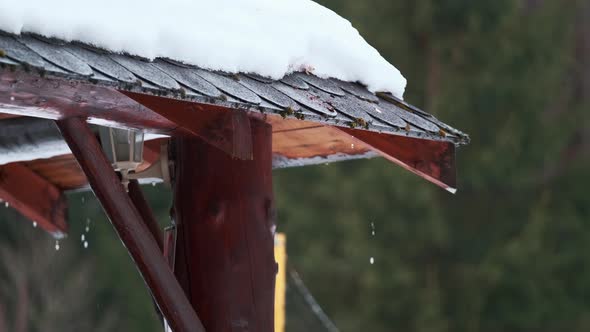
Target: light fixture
123, 148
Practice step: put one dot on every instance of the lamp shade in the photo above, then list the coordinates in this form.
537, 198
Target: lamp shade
123, 147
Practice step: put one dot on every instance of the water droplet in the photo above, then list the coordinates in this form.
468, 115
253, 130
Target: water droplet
6, 204
352, 146
34, 224
11, 98
87, 229
154, 184
372, 260
85, 244
83, 199
82, 238
372, 228
56, 245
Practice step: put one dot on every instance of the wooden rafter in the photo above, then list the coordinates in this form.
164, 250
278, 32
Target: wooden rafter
34, 197
432, 160
223, 128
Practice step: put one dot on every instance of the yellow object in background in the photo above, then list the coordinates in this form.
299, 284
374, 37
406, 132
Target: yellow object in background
281, 283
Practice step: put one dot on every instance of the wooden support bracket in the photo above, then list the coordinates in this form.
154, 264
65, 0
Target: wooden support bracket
226, 129
144, 209
130, 226
35, 198
432, 160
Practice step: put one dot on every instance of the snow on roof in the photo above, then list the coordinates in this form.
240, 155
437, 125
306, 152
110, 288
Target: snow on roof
267, 37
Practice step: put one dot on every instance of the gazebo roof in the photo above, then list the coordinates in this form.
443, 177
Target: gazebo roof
314, 120
301, 96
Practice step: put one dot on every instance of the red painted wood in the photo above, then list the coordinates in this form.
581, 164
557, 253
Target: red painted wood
226, 129
151, 152
28, 95
432, 160
144, 209
224, 209
34, 197
170, 245
128, 223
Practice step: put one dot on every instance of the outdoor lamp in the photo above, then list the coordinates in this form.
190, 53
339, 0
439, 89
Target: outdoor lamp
123, 148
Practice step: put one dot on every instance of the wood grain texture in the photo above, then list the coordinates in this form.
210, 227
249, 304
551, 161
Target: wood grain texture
63, 171
131, 229
432, 160
226, 129
224, 209
54, 99
34, 197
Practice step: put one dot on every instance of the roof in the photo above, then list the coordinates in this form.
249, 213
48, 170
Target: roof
257, 36
299, 95
312, 120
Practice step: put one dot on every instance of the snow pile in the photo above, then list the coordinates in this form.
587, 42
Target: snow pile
268, 37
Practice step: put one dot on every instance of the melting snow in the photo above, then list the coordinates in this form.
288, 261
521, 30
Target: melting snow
268, 37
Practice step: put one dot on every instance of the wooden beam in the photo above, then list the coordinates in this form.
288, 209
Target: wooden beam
151, 153
432, 160
144, 209
322, 142
51, 98
226, 129
4, 116
130, 227
224, 209
35, 198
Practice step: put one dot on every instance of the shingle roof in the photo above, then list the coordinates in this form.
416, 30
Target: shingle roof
298, 95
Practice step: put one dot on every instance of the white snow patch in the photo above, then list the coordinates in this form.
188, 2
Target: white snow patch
268, 37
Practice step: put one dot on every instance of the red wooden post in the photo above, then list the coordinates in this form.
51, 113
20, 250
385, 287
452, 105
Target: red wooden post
130, 227
224, 209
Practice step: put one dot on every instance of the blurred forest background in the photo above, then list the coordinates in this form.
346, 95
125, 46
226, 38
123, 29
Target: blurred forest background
509, 252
